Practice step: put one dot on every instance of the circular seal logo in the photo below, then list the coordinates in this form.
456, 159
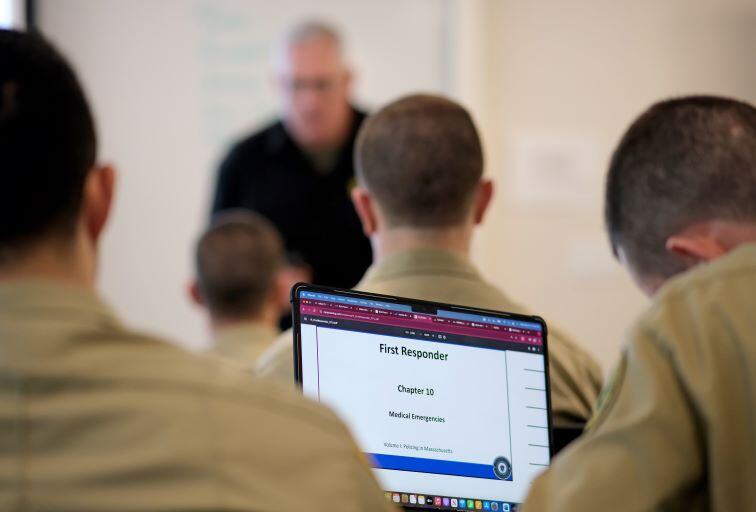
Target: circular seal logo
502, 468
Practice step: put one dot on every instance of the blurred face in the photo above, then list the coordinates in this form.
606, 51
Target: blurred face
314, 86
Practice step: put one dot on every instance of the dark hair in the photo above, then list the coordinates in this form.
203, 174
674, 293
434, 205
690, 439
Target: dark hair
47, 141
237, 260
683, 161
421, 158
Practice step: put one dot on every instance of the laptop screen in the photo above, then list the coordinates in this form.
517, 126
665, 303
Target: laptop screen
449, 404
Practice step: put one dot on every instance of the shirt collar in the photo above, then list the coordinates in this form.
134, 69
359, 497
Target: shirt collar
417, 262
245, 339
49, 296
43, 318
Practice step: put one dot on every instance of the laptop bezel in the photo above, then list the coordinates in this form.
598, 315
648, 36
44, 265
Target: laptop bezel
298, 288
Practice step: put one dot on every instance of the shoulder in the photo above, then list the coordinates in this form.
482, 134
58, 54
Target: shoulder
697, 300
269, 140
563, 346
188, 381
699, 328
569, 361
260, 398
277, 362
565, 353
718, 276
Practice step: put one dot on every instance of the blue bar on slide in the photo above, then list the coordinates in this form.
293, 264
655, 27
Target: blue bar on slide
439, 467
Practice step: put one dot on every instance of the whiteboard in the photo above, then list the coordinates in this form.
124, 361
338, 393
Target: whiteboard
174, 82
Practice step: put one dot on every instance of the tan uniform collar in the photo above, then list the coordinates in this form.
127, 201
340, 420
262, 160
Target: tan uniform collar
53, 297
43, 319
244, 340
419, 262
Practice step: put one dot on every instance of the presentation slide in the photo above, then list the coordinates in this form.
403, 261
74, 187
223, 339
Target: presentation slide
406, 410
443, 418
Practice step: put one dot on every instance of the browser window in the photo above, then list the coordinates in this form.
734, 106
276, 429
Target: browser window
448, 404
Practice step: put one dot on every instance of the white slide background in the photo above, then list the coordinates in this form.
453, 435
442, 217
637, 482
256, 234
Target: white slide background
475, 391
360, 383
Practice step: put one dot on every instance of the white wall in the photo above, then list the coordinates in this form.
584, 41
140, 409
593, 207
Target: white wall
552, 85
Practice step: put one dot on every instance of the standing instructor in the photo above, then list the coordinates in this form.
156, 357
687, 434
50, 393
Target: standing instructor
298, 171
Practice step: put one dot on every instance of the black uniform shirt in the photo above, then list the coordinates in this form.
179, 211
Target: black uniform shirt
269, 174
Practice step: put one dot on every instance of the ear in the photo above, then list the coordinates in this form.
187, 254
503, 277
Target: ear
99, 190
695, 248
483, 199
365, 206
194, 293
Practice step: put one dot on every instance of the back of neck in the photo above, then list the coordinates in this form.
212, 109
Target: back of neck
266, 317
391, 241
70, 262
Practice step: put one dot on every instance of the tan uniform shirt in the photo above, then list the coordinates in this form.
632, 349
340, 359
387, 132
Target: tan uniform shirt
94, 417
677, 427
243, 342
444, 277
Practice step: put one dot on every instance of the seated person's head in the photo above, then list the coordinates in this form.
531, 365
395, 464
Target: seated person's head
54, 200
419, 167
238, 263
681, 188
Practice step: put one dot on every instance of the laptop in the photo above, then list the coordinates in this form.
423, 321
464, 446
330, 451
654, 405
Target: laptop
450, 404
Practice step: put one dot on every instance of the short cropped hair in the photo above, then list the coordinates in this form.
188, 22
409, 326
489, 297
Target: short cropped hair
683, 161
310, 30
237, 261
303, 33
421, 159
47, 141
